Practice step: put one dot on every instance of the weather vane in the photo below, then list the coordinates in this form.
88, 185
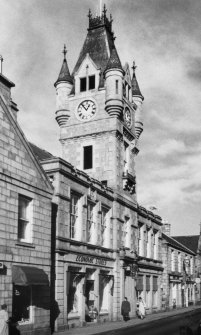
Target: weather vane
1, 58
64, 51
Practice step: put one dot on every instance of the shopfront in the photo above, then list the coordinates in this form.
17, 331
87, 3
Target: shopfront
31, 299
89, 288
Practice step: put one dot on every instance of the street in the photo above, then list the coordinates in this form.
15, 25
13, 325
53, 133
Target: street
166, 326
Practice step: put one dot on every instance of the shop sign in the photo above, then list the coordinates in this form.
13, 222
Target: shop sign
90, 260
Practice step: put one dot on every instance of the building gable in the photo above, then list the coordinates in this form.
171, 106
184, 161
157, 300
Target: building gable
17, 158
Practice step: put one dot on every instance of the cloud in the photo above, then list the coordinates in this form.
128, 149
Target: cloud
194, 68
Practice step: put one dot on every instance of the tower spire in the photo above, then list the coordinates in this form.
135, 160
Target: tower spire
64, 75
135, 87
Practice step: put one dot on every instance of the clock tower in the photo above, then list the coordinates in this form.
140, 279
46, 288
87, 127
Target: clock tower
99, 110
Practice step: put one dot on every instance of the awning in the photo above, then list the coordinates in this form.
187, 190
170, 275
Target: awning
29, 275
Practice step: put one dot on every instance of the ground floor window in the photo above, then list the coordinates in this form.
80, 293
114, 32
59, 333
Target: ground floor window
155, 297
73, 280
22, 303
103, 292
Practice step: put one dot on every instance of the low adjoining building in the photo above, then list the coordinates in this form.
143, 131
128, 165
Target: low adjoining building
25, 224
179, 275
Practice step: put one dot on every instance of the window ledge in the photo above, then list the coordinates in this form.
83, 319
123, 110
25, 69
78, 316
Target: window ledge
25, 244
22, 323
73, 315
103, 312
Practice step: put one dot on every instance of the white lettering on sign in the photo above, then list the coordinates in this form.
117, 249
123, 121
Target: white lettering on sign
90, 260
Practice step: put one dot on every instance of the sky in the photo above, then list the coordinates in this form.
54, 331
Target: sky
164, 39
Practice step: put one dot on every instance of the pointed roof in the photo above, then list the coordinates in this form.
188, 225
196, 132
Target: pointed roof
135, 87
179, 243
98, 44
64, 74
191, 242
114, 61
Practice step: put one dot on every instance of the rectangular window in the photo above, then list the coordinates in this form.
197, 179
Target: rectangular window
191, 265
103, 292
155, 242
91, 82
145, 242
88, 157
24, 219
179, 262
103, 225
126, 237
117, 86
74, 215
126, 156
155, 299
73, 280
140, 241
83, 84
148, 291
21, 303
172, 261
90, 209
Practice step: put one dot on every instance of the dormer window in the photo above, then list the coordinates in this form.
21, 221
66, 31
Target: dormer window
83, 84
87, 83
91, 82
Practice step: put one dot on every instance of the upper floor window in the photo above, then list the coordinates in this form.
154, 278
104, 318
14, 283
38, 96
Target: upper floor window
74, 214
117, 86
88, 157
87, 83
191, 265
179, 262
149, 243
90, 221
126, 156
83, 84
155, 245
145, 242
140, 241
91, 82
24, 218
172, 261
104, 212
126, 233
127, 90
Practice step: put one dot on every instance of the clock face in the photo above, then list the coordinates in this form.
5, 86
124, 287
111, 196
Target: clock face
86, 110
127, 117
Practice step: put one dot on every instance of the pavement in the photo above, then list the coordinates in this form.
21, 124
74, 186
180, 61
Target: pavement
98, 328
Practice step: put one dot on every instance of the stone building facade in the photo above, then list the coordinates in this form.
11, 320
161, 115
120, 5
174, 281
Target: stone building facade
74, 224
107, 246
110, 255
25, 224
179, 275
193, 242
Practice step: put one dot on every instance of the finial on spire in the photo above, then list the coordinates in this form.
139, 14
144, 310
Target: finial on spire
89, 14
64, 51
134, 67
104, 10
1, 58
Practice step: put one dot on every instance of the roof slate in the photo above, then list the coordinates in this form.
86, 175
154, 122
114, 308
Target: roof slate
98, 44
135, 87
190, 242
64, 74
41, 154
114, 61
177, 244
